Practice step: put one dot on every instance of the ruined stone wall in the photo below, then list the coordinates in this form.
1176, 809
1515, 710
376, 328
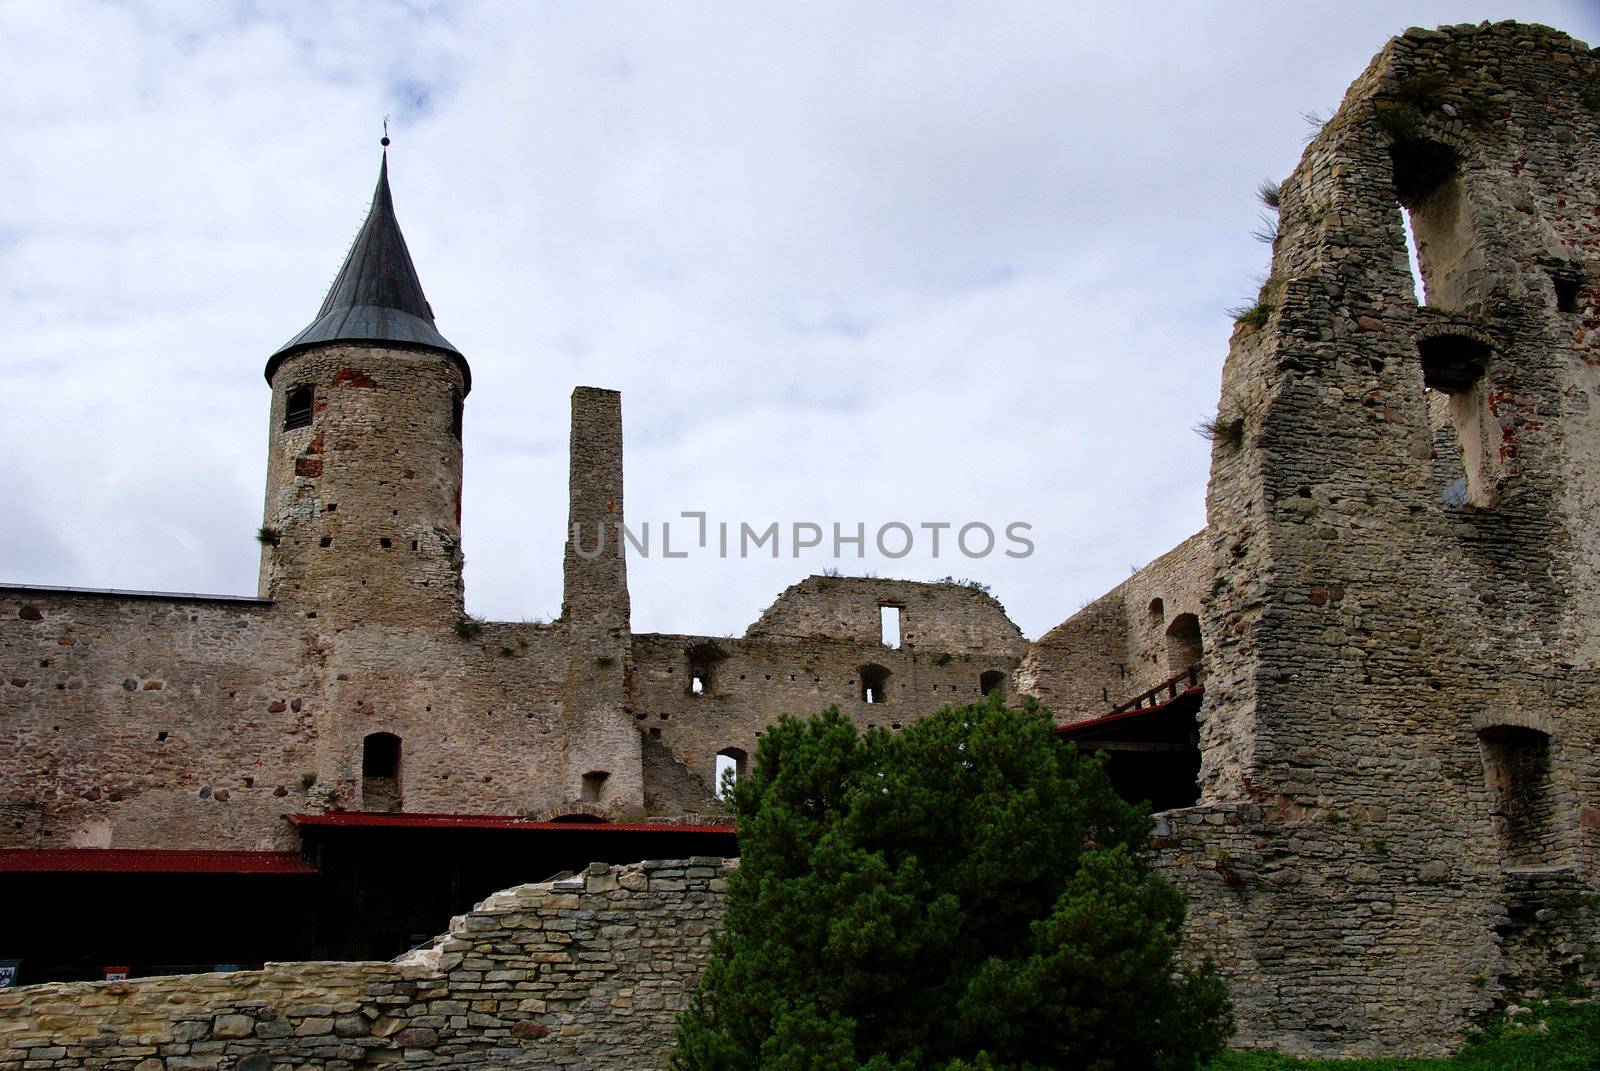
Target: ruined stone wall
589, 972
1129, 640
603, 763
186, 722
807, 653
1370, 635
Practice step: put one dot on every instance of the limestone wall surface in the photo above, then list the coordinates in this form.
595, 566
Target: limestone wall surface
819, 645
588, 972
1402, 679
1142, 632
140, 722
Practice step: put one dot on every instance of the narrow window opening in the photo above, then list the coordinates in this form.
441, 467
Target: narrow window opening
1466, 432
730, 767
1441, 249
457, 409
385, 542
333, 507
655, 733
416, 545
1523, 805
1566, 287
1184, 646
1419, 286
874, 684
1158, 610
992, 681
889, 621
703, 659
325, 541
594, 783
297, 408
380, 772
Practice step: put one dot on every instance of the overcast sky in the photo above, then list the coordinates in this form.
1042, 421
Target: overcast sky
850, 262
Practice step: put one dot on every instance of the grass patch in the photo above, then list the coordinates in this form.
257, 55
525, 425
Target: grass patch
1552, 1037
1270, 194
1229, 433
268, 536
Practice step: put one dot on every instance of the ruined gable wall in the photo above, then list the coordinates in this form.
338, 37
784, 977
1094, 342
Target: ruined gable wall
588, 972
1365, 630
1119, 645
805, 654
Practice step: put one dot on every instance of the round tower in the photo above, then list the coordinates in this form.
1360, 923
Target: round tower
363, 505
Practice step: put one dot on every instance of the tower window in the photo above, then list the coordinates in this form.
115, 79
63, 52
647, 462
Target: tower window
1567, 287
297, 408
1524, 805
1453, 367
992, 681
889, 620
874, 684
594, 783
457, 408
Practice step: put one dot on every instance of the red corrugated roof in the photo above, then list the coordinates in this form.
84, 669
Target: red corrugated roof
392, 820
1094, 723
142, 861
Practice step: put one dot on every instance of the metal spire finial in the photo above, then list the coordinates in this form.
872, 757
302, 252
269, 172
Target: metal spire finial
385, 141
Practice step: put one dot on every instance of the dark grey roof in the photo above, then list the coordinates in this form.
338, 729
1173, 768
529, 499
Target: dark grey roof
376, 297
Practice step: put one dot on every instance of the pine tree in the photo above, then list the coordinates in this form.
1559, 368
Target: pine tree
967, 894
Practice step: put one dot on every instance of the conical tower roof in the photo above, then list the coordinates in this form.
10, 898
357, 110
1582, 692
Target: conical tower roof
377, 296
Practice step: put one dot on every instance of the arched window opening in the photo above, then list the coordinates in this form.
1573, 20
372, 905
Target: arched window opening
993, 680
1523, 806
874, 684
457, 410
1184, 647
730, 767
1464, 426
594, 783
380, 772
1158, 611
298, 406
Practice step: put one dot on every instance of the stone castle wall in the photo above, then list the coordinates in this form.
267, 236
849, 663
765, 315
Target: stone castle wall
819, 645
1142, 632
588, 972
177, 722
1388, 656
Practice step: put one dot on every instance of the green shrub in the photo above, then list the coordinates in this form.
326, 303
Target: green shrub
966, 894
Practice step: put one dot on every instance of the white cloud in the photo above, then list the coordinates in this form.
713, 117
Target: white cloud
882, 261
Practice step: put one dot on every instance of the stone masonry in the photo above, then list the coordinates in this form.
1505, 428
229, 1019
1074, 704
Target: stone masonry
1392, 608
587, 972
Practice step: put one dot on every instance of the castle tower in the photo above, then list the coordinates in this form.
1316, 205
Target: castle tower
363, 504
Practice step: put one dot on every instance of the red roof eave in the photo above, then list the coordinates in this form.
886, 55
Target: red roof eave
147, 861
401, 820
1074, 727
